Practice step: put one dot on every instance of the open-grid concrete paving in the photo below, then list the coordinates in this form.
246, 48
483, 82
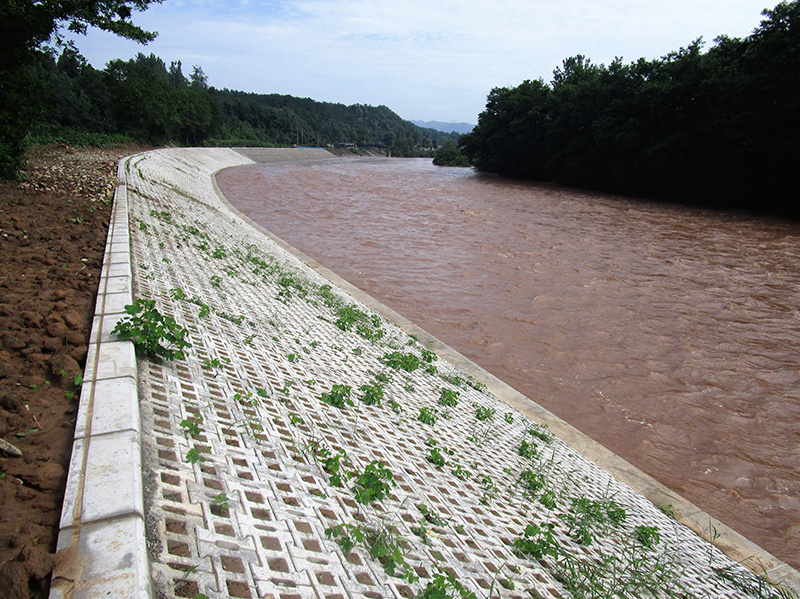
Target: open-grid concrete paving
240, 469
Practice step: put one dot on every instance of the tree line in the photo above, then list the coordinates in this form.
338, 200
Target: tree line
718, 127
147, 100
49, 95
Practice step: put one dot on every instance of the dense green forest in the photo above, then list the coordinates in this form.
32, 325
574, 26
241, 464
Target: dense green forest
146, 100
717, 127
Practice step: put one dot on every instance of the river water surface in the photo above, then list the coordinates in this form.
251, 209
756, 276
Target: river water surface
670, 335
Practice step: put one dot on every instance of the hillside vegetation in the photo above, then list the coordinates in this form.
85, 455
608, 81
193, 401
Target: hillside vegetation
718, 127
146, 101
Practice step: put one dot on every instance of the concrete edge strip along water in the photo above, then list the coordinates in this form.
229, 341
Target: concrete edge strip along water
731, 543
101, 549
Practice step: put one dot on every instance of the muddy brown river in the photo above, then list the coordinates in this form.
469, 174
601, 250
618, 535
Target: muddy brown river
670, 335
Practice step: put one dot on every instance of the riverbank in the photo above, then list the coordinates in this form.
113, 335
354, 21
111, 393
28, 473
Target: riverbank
52, 232
296, 383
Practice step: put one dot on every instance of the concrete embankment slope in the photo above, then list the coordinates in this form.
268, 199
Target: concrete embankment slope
312, 443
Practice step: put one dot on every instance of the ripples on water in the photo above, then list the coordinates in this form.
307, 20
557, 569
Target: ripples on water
671, 335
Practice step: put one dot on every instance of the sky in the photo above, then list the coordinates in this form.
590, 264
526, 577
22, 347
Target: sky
426, 60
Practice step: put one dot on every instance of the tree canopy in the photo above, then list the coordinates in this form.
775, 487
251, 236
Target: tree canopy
25, 27
718, 127
146, 100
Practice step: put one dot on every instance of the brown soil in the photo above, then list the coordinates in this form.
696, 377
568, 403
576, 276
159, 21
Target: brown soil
52, 236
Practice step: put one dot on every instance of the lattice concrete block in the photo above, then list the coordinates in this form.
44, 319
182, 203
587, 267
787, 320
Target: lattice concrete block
270, 538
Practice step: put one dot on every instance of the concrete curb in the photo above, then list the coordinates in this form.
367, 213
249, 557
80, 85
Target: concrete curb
101, 547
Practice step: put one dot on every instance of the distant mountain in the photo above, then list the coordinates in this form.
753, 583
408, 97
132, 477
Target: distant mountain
446, 127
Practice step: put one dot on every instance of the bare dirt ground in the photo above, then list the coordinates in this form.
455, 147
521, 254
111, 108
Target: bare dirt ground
52, 237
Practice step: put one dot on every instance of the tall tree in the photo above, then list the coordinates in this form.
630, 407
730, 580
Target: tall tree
718, 127
25, 27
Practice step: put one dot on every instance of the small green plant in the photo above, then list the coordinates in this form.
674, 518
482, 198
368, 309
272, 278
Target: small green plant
435, 457
453, 379
666, 509
372, 394
445, 586
155, 334
448, 397
382, 543
428, 357
333, 464
428, 416
754, 586
24, 434
401, 361
347, 536
625, 573
541, 433
289, 286
489, 488
374, 484
221, 500
193, 456
548, 500
162, 215
538, 541
460, 472
192, 425
531, 482
338, 396
586, 515
384, 377
216, 281
431, 516
509, 417
349, 316
245, 398
462, 382
483, 413
527, 450
647, 536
